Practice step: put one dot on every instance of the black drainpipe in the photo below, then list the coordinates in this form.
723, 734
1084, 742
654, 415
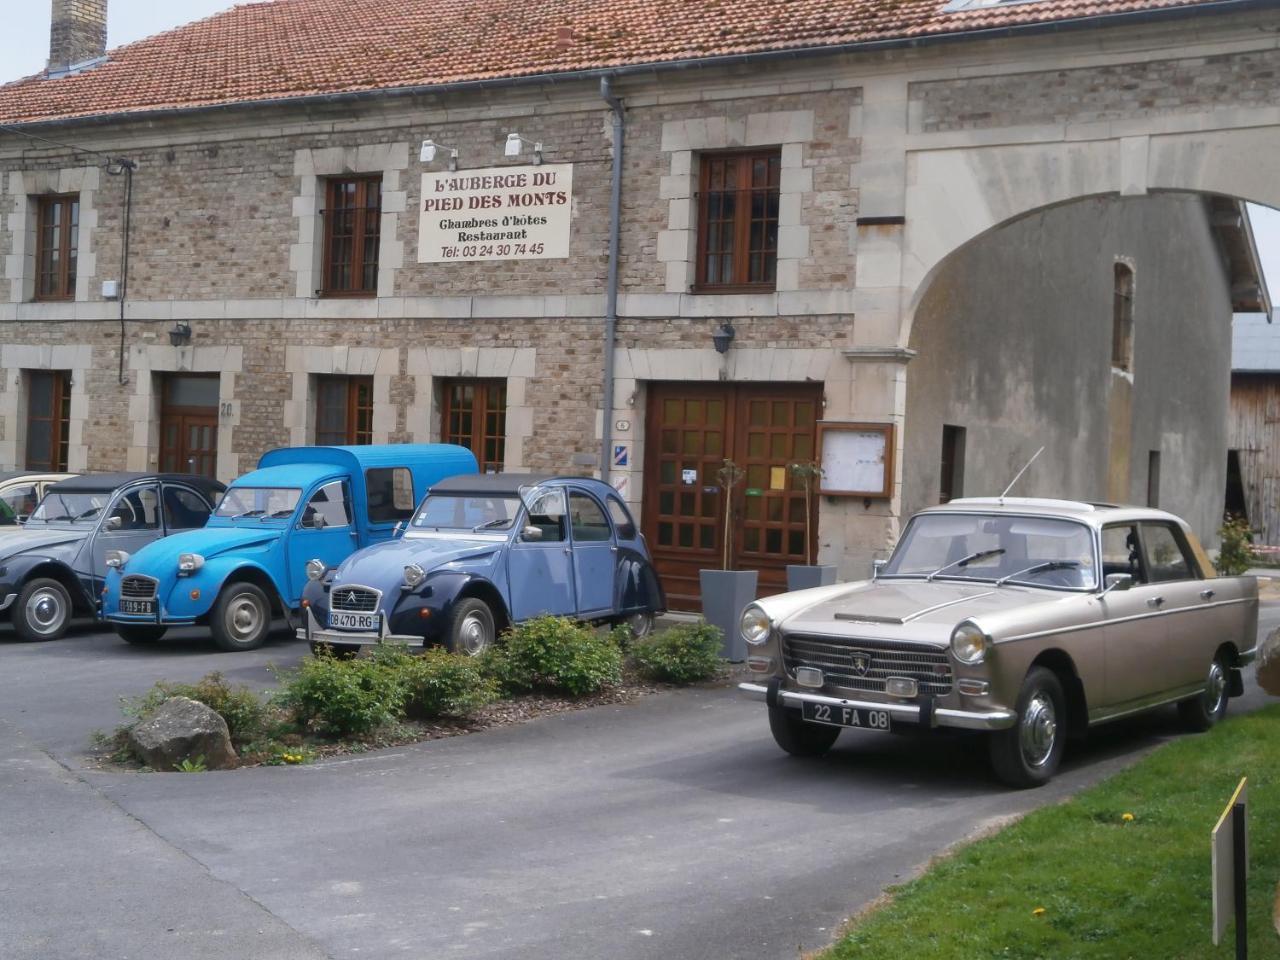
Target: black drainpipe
117, 167
611, 293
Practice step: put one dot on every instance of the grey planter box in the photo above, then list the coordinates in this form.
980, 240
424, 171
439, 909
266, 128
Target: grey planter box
725, 594
802, 576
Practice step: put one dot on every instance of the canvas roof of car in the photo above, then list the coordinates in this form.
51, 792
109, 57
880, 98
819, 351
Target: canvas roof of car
111, 481
490, 483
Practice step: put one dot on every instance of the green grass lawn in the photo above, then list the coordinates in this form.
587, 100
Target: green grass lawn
1108, 888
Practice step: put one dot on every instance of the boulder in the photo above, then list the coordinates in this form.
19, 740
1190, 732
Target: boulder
1269, 663
183, 729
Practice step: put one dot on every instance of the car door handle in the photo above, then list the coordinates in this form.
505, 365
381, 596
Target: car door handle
1206, 594
1155, 601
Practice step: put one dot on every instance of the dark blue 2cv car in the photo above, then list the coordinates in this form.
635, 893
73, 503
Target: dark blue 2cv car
483, 552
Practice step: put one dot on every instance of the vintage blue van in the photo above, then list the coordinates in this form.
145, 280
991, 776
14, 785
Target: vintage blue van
249, 561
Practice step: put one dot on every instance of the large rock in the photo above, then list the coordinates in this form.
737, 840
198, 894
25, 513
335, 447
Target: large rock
1269, 663
183, 729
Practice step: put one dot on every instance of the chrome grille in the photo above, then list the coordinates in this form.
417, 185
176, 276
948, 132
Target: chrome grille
927, 665
354, 599
135, 587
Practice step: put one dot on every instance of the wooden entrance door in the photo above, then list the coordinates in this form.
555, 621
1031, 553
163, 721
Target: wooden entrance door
189, 425
691, 430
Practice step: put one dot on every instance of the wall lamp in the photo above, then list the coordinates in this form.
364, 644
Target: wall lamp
515, 142
723, 336
428, 153
180, 335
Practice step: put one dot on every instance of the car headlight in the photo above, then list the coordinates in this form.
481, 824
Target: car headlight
315, 569
189, 562
414, 575
755, 625
116, 559
969, 643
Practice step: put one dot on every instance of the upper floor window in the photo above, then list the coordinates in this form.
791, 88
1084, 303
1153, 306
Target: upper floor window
48, 419
344, 410
1122, 319
474, 415
352, 218
57, 239
738, 221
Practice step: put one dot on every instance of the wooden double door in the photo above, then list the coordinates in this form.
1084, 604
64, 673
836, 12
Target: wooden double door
691, 429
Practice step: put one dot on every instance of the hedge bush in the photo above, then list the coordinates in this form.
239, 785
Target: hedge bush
438, 684
685, 653
343, 697
244, 711
554, 653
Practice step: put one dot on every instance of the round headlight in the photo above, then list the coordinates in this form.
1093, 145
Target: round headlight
755, 625
315, 569
414, 575
116, 559
189, 562
969, 643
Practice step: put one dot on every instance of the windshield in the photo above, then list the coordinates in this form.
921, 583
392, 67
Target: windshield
995, 548
260, 503
75, 508
472, 513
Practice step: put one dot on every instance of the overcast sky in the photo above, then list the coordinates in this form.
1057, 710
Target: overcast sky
24, 49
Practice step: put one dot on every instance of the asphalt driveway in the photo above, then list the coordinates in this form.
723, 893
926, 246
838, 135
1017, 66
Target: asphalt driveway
669, 827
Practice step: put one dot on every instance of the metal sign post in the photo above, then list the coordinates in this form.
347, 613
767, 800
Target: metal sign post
1230, 850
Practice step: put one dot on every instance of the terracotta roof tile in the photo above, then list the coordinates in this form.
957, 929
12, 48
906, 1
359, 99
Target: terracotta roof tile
297, 48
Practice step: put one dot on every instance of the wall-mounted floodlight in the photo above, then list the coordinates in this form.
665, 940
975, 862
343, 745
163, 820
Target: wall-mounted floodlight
515, 143
428, 153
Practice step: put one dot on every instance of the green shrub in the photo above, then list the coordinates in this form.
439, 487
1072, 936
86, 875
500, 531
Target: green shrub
242, 709
344, 697
1236, 554
438, 684
554, 653
682, 654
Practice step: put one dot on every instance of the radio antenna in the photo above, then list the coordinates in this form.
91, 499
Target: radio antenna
1021, 472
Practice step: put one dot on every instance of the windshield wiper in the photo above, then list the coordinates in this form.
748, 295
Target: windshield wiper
277, 515
1035, 568
247, 513
501, 521
965, 561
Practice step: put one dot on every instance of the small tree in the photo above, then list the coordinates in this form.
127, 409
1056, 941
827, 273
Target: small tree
729, 475
1235, 556
806, 473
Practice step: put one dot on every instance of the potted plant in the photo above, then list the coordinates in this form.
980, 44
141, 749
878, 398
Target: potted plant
801, 576
725, 592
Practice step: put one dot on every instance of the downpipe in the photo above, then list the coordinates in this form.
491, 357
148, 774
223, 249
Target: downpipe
611, 291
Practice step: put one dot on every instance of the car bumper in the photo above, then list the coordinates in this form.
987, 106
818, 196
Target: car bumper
312, 632
998, 719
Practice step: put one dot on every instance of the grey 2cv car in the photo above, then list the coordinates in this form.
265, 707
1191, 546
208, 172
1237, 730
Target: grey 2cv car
1031, 620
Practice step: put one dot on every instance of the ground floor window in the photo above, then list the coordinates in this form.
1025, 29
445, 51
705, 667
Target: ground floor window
344, 410
189, 423
474, 415
48, 419
952, 472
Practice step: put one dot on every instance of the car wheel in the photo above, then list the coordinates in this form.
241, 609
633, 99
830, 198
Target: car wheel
1028, 753
1202, 711
471, 629
799, 737
42, 610
241, 618
640, 624
139, 634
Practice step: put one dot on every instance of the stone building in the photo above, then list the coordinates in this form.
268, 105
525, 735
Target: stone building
914, 241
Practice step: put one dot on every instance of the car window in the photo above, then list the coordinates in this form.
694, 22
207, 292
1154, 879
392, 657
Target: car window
184, 509
21, 500
622, 521
137, 509
1165, 555
390, 493
589, 522
546, 512
331, 503
1120, 552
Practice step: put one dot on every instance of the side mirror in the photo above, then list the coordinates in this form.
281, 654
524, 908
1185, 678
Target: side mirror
876, 567
318, 522
397, 530
531, 533
1118, 581
23, 517
113, 523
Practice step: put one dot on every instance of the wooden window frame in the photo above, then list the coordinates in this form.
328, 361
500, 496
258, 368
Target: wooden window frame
357, 421
64, 283
481, 407
741, 251
59, 420
366, 224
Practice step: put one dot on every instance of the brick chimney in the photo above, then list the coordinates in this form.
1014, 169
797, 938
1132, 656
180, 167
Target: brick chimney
78, 32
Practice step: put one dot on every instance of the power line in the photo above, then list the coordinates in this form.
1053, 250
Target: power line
56, 143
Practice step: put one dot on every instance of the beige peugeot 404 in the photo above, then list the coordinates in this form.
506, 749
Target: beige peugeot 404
1029, 619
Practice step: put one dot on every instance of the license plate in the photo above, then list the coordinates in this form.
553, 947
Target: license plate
340, 620
846, 716
147, 607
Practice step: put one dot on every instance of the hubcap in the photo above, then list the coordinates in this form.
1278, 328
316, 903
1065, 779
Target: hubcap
641, 624
1039, 730
1216, 690
45, 612
244, 618
474, 635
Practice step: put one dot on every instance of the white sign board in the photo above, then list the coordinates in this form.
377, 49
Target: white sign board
1223, 863
855, 460
499, 213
